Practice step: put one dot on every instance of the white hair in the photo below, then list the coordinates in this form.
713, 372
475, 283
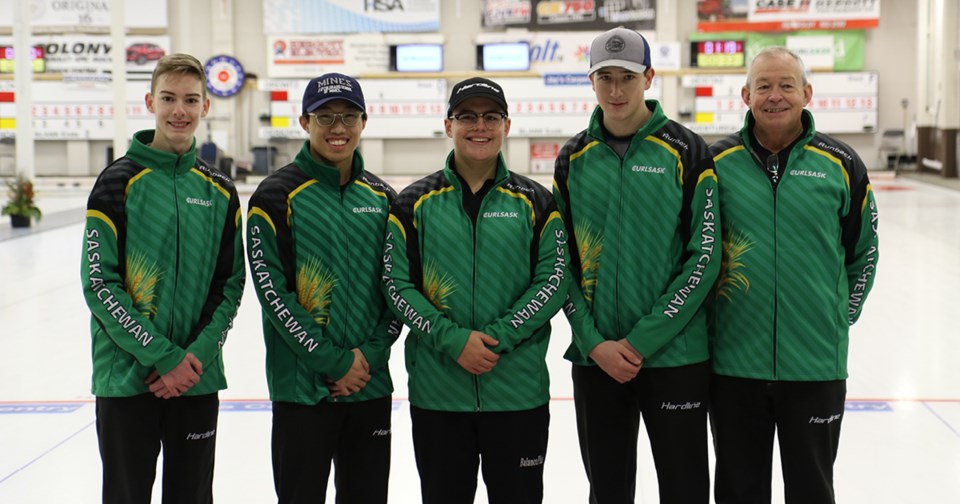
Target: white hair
778, 51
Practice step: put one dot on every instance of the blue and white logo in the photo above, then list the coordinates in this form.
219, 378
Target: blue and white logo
224, 76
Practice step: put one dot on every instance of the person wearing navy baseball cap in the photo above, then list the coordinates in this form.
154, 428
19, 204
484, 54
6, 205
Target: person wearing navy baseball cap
639, 348
316, 241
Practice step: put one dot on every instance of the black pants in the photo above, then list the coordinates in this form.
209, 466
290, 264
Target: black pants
673, 404
354, 435
806, 416
131, 431
449, 447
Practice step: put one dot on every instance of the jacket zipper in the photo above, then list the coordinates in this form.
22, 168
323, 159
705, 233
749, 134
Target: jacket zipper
774, 182
776, 282
616, 283
176, 269
346, 246
473, 304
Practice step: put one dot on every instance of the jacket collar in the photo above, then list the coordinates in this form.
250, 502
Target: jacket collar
809, 129
141, 152
498, 179
656, 121
324, 173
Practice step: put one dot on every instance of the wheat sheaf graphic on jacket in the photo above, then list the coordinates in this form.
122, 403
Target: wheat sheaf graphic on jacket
731, 278
436, 286
141, 282
589, 246
315, 285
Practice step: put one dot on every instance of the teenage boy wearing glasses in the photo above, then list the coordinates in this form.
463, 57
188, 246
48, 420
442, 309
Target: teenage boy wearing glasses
638, 195
474, 264
315, 237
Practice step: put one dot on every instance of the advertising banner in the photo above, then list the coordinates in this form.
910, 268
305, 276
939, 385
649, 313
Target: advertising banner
543, 154
786, 15
569, 52
350, 16
291, 56
597, 15
89, 57
88, 14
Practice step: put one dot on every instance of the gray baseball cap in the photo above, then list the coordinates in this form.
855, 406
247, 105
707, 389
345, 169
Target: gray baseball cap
620, 47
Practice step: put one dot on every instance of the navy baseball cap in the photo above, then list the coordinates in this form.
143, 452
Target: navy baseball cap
476, 87
620, 47
329, 87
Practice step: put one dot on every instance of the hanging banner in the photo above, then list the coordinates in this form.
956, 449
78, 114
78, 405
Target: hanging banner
815, 51
563, 52
598, 15
77, 15
847, 54
350, 16
787, 15
90, 57
313, 55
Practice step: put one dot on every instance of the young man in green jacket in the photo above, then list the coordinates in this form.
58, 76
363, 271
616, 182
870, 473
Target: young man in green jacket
638, 196
800, 255
475, 265
315, 231
162, 274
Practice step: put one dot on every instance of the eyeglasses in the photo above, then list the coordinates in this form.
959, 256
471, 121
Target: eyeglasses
348, 118
492, 119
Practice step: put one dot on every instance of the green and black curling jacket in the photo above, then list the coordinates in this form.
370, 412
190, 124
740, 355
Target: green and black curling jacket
644, 240
799, 258
504, 276
315, 257
162, 268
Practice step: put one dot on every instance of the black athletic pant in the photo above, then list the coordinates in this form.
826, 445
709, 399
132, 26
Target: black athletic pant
131, 431
354, 435
512, 446
673, 404
806, 416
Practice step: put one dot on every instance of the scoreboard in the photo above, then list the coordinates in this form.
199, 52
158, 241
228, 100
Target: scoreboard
717, 54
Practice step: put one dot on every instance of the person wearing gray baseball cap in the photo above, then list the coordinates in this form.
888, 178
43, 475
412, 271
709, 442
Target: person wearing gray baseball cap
637, 194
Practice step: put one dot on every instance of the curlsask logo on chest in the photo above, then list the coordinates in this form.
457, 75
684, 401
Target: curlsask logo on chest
199, 202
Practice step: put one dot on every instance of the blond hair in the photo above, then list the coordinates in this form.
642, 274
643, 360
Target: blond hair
182, 64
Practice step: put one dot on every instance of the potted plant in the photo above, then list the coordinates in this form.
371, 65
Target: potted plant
20, 206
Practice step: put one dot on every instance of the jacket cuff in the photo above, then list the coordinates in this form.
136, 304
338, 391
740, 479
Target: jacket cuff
167, 363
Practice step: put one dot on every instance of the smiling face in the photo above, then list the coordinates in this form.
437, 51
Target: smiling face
333, 145
620, 93
776, 93
179, 102
480, 142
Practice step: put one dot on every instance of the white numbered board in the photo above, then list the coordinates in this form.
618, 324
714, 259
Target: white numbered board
396, 108
843, 102
75, 110
549, 106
